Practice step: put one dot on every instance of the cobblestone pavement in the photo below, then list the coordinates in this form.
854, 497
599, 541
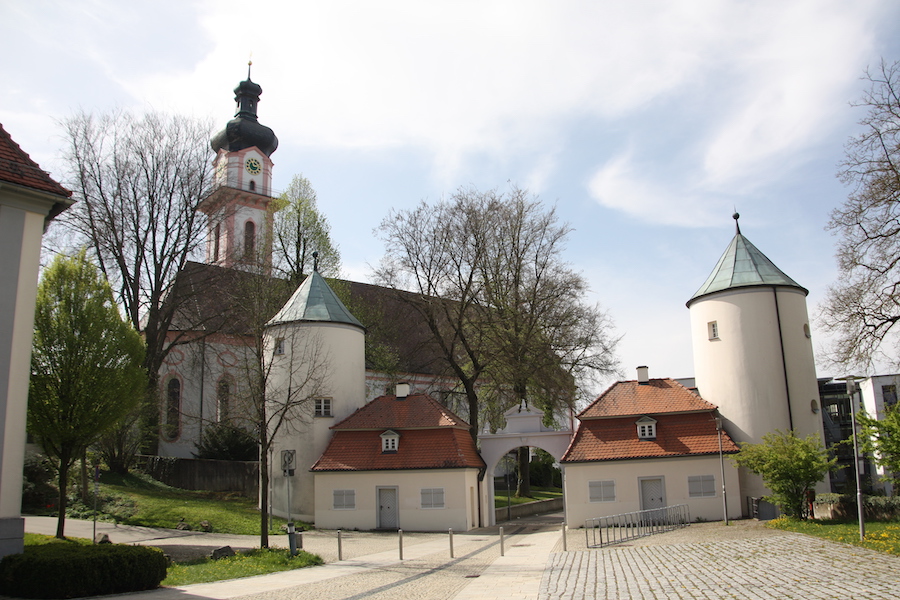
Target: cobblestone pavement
784, 565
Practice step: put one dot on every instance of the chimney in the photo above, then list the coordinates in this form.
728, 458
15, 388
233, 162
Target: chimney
401, 390
643, 375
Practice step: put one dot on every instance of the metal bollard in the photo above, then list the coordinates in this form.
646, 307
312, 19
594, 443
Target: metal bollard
400, 531
501, 542
340, 550
292, 543
565, 544
451, 542
299, 536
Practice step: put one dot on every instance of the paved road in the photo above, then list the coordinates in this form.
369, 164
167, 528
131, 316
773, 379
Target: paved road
704, 561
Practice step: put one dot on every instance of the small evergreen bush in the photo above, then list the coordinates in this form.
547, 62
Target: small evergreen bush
72, 571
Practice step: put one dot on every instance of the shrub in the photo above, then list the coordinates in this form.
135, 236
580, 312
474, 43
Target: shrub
224, 441
38, 492
72, 571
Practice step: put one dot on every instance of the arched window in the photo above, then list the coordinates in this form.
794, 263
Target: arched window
172, 424
249, 240
223, 399
252, 186
218, 240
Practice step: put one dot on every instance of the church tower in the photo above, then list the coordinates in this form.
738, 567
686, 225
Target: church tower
239, 229
753, 355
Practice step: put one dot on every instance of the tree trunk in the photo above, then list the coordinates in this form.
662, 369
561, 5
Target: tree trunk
64, 464
524, 483
263, 485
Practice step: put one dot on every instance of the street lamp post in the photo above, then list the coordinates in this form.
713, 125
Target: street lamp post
722, 466
852, 388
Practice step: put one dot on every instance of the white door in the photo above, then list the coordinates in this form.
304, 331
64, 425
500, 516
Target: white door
653, 493
387, 508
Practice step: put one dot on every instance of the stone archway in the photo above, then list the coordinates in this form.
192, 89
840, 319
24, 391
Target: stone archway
523, 428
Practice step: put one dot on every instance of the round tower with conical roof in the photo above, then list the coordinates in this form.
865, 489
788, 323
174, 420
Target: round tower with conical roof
239, 229
317, 352
752, 346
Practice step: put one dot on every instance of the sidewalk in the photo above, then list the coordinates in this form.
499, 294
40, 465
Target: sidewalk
476, 572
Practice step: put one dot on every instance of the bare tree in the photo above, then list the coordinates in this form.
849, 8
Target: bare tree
299, 230
508, 313
283, 369
138, 181
864, 306
433, 252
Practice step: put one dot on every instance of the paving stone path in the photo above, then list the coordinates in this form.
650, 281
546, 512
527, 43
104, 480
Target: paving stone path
779, 566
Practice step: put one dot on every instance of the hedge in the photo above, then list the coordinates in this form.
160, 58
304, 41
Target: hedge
63, 571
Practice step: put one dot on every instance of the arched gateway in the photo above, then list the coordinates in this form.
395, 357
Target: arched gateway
524, 427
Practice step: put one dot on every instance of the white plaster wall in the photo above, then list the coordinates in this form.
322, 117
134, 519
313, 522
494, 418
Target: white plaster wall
344, 356
460, 493
626, 474
742, 372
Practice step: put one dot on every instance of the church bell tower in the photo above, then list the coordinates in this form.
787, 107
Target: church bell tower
239, 229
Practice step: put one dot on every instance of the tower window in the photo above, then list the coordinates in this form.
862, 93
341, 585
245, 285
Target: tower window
217, 242
223, 399
713, 330
323, 407
249, 240
252, 186
279, 346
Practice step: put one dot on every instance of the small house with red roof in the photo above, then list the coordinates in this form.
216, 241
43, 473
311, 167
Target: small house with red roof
647, 444
399, 462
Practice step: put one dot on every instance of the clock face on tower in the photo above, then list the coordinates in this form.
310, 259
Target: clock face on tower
253, 166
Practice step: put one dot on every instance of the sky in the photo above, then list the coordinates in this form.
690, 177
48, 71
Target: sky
646, 124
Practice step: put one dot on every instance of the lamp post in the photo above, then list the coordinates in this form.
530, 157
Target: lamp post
722, 466
852, 388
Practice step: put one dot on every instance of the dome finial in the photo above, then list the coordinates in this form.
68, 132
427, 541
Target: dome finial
249, 64
737, 225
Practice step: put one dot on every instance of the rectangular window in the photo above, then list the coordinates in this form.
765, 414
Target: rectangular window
701, 486
713, 327
323, 407
889, 395
344, 499
602, 491
647, 431
432, 497
279, 346
389, 443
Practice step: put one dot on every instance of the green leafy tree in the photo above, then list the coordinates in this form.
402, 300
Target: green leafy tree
299, 230
789, 466
881, 438
86, 365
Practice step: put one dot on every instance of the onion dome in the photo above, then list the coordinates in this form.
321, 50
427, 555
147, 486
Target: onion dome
244, 130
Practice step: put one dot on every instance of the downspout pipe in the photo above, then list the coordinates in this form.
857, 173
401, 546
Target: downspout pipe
787, 387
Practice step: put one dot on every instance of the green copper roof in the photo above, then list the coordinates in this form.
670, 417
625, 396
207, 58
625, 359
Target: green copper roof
743, 265
314, 300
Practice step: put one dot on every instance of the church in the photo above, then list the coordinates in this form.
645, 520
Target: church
353, 439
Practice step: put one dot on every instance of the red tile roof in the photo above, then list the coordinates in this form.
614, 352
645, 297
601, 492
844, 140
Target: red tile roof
657, 396
439, 448
680, 434
17, 167
417, 411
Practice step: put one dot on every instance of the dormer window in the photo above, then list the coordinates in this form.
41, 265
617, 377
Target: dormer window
646, 428
390, 441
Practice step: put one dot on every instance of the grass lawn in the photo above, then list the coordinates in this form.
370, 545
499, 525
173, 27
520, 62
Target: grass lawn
537, 493
140, 500
880, 536
254, 562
